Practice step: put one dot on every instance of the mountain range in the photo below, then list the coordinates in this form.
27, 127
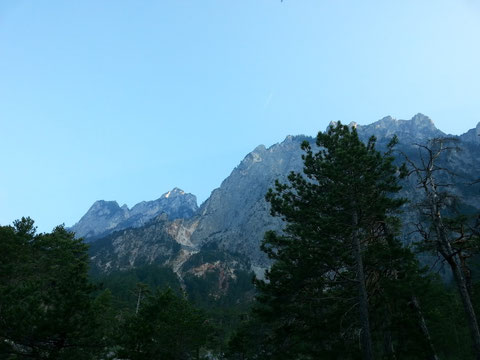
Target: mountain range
173, 231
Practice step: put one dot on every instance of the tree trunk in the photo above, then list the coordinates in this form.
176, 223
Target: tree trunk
467, 304
367, 348
427, 181
388, 347
453, 260
138, 301
423, 326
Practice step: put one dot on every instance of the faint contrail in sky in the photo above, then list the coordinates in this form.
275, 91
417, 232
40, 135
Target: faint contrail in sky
269, 99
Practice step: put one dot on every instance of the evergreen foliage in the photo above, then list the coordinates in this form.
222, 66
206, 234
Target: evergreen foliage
166, 327
47, 307
122, 284
340, 274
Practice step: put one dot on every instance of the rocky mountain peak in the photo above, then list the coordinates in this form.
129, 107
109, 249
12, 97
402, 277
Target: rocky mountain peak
423, 121
172, 193
260, 148
352, 124
100, 217
331, 124
103, 206
105, 217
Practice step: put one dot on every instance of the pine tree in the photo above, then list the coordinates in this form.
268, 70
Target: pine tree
47, 306
338, 251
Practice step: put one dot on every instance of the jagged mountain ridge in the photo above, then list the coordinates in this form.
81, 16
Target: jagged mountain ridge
418, 128
106, 217
236, 215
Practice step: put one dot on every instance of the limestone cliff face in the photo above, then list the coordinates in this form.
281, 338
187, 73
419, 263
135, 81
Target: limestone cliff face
236, 215
106, 217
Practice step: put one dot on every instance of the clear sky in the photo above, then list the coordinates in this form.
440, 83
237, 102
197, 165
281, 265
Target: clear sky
124, 100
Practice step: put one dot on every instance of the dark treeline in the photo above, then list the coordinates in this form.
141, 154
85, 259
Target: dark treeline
342, 285
51, 309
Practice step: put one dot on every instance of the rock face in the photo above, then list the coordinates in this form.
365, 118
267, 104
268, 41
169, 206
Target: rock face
207, 274
134, 247
235, 217
105, 217
472, 136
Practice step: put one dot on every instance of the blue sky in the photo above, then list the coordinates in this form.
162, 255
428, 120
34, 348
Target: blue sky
124, 100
